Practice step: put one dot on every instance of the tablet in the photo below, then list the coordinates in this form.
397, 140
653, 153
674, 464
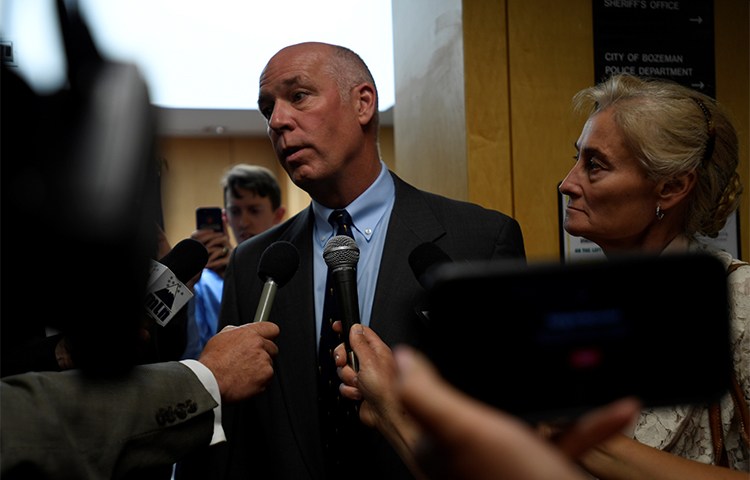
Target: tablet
551, 340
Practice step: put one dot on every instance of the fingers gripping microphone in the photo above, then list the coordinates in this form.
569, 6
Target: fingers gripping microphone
167, 292
341, 255
278, 264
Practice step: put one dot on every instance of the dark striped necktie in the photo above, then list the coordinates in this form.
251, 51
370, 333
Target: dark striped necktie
339, 417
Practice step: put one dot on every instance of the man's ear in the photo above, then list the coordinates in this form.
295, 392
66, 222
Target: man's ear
364, 95
278, 215
674, 190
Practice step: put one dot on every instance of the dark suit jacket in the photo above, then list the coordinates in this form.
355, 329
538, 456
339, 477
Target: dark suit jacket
65, 425
276, 434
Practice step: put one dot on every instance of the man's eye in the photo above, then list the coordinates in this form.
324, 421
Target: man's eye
297, 96
592, 164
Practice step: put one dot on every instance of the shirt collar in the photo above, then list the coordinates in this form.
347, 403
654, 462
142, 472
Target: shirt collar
366, 210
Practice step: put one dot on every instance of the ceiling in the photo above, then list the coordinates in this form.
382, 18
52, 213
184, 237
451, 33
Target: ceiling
201, 60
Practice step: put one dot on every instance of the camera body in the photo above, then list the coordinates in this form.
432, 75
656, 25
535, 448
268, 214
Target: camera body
550, 341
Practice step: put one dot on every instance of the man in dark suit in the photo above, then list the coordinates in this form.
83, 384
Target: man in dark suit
320, 102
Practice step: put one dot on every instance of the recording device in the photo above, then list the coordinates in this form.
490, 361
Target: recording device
341, 254
89, 147
278, 264
550, 341
166, 291
209, 218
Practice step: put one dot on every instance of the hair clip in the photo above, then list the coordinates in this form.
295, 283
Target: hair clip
709, 151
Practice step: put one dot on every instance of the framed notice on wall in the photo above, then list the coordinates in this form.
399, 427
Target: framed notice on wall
575, 249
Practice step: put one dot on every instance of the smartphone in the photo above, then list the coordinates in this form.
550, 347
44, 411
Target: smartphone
551, 341
209, 218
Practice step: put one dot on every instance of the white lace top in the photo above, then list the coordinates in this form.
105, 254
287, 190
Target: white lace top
685, 430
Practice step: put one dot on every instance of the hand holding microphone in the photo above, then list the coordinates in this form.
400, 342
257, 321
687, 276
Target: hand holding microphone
241, 359
278, 264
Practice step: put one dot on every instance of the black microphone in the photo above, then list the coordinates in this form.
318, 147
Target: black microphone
341, 254
424, 259
166, 292
278, 264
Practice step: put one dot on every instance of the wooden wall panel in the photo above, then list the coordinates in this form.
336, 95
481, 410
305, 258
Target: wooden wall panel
490, 173
550, 58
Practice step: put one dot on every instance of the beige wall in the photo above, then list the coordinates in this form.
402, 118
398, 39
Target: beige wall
429, 120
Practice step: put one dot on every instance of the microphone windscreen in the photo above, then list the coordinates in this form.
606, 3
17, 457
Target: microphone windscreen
186, 259
279, 262
341, 251
424, 257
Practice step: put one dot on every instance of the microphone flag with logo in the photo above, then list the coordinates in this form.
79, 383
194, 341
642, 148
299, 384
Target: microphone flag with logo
166, 292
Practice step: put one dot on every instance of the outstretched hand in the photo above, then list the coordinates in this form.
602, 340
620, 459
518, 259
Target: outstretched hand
464, 438
375, 381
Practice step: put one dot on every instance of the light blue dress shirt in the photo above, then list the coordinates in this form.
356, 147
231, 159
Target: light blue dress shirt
203, 312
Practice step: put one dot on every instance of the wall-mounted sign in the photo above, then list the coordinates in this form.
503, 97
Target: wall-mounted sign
656, 38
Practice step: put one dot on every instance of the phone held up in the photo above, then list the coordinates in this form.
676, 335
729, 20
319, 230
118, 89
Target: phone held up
209, 218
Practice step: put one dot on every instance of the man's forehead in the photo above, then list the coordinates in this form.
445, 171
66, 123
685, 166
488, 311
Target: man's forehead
289, 64
308, 72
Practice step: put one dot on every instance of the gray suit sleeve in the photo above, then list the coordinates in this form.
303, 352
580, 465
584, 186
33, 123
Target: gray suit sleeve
65, 424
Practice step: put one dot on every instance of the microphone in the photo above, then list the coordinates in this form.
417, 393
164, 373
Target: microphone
424, 259
278, 264
166, 292
341, 254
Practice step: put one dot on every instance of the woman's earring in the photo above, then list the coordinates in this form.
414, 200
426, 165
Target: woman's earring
659, 212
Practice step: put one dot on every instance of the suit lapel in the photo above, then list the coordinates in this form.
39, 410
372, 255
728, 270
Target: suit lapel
412, 222
298, 351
